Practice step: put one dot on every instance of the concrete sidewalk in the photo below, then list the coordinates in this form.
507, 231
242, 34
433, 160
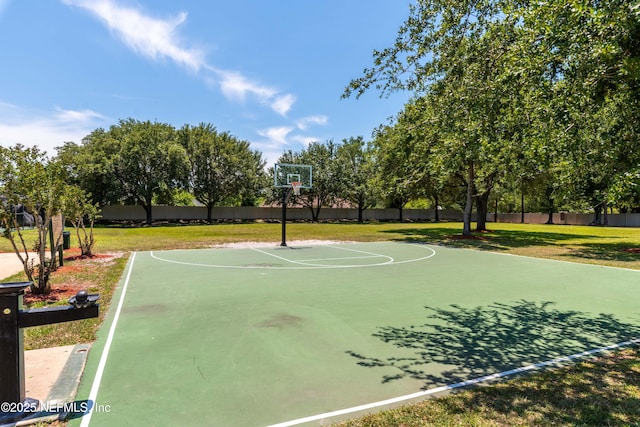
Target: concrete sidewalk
10, 264
52, 376
44, 368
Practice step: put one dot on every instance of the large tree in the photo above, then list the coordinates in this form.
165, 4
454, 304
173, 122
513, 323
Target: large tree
399, 165
489, 66
589, 55
222, 167
358, 169
135, 162
328, 177
453, 54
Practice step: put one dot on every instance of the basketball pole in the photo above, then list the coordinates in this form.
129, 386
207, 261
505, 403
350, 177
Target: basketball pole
286, 192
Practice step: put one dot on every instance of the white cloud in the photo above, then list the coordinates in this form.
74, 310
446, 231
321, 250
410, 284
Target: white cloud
304, 123
276, 136
48, 129
304, 140
275, 143
151, 37
282, 104
235, 86
156, 39
75, 116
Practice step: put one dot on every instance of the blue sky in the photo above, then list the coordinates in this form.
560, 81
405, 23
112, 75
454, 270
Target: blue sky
269, 71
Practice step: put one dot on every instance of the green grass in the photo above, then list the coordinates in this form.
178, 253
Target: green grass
599, 392
95, 276
601, 245
603, 391
597, 245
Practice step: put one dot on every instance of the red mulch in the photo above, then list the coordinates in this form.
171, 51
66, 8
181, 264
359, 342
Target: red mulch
63, 292
632, 250
74, 254
94, 256
58, 293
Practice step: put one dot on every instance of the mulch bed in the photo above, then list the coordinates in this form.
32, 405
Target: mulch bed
64, 291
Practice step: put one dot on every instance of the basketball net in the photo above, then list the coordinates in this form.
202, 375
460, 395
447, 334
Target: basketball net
296, 185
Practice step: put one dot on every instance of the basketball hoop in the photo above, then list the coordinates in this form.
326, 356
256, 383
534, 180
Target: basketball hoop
296, 185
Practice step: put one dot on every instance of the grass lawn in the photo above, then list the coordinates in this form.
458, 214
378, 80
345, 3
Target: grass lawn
596, 245
603, 391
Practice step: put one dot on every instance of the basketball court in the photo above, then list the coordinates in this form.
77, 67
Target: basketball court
310, 334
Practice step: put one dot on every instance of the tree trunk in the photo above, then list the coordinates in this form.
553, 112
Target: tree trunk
468, 206
482, 205
597, 220
550, 204
41, 284
209, 211
522, 202
550, 217
147, 209
360, 210
436, 213
316, 212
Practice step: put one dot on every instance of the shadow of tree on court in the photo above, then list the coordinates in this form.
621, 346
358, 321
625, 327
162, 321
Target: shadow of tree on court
623, 252
474, 342
495, 240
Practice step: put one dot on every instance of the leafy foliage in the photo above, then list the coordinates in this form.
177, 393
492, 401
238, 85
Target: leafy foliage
221, 167
328, 177
517, 92
30, 179
133, 161
80, 212
357, 169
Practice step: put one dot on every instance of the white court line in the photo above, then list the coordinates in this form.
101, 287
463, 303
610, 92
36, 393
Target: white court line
93, 394
454, 386
433, 252
301, 265
339, 258
308, 264
563, 261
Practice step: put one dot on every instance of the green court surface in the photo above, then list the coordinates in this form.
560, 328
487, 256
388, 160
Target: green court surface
314, 334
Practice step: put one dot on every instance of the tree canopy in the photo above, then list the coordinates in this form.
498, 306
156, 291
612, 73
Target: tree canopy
520, 91
221, 167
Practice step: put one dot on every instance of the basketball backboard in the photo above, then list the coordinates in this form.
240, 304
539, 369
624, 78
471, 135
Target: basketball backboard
284, 174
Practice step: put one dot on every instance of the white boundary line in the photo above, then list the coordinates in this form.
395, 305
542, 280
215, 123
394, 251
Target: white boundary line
93, 394
308, 264
562, 261
340, 258
455, 386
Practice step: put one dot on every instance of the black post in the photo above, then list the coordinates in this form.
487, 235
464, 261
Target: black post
11, 343
285, 199
12, 320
